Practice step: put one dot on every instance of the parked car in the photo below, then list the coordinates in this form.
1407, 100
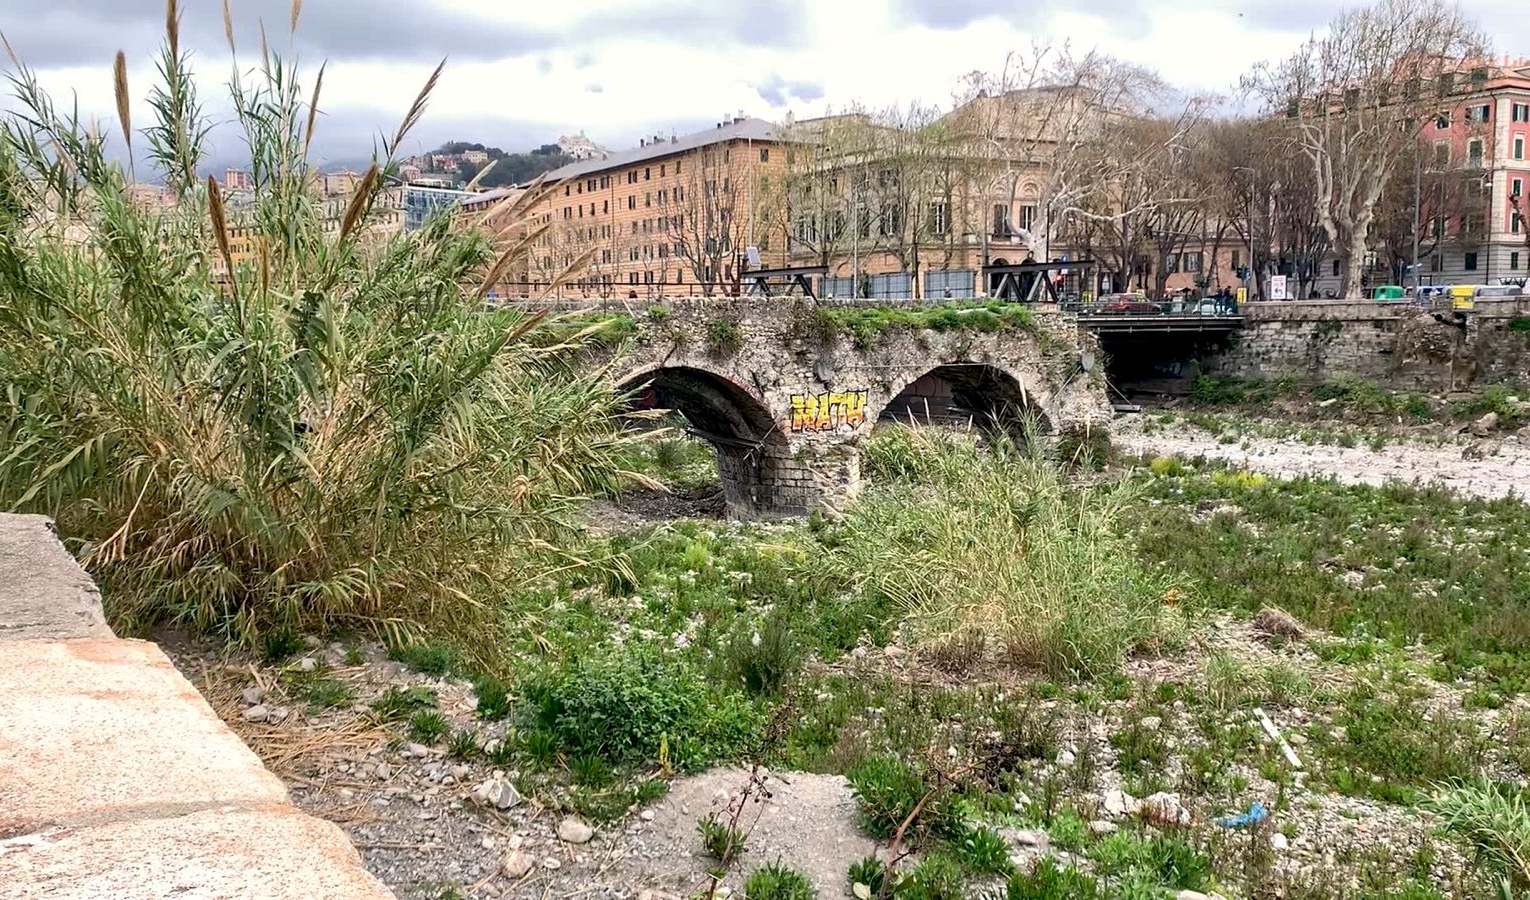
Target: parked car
1127, 303
1389, 292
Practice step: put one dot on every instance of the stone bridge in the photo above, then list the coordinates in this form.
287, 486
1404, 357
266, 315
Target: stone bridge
786, 391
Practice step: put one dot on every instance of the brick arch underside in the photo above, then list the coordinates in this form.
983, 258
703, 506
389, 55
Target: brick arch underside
966, 393
750, 448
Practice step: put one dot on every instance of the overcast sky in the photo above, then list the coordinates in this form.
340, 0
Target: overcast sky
522, 72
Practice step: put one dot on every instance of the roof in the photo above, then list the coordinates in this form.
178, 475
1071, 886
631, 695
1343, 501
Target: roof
748, 129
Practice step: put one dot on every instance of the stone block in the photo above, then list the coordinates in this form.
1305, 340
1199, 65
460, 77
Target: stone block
226, 853
96, 730
43, 592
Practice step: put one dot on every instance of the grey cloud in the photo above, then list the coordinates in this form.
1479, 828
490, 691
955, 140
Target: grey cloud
73, 32
1027, 16
88, 32
778, 91
594, 89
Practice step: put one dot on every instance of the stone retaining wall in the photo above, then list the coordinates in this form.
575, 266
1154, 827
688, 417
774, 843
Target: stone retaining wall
1396, 344
116, 778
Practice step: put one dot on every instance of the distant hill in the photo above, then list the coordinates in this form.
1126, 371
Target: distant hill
509, 168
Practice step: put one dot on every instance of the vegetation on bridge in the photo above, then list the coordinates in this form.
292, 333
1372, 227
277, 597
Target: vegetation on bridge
866, 325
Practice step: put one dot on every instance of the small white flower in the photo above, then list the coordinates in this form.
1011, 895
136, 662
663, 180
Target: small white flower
754, 641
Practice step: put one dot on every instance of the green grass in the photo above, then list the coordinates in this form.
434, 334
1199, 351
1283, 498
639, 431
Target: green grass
1048, 574
1451, 571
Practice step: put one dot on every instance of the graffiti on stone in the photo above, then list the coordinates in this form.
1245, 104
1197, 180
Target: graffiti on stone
829, 410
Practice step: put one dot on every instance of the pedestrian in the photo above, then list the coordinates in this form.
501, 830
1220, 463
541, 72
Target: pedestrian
947, 294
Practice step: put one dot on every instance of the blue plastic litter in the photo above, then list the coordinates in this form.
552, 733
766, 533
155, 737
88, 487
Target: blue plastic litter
1256, 814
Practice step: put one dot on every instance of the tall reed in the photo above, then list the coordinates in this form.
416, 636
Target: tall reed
324, 431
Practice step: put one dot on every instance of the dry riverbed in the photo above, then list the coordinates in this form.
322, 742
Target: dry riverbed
1490, 466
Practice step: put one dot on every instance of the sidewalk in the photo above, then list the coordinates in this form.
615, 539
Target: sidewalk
117, 780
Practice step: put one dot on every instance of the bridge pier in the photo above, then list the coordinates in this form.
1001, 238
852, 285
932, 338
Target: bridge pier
778, 482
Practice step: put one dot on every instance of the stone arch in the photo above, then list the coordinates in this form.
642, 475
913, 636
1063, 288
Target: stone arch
751, 450
982, 394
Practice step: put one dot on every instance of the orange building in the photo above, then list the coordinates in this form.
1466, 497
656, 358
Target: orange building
673, 217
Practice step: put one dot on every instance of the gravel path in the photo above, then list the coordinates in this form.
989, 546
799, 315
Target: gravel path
1492, 467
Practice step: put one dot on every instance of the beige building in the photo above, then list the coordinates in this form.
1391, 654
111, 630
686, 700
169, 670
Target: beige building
673, 216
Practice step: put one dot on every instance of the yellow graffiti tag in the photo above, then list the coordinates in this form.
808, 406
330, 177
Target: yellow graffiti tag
827, 411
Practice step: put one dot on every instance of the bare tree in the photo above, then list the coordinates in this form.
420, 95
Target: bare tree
806, 204
1358, 97
710, 219
1049, 122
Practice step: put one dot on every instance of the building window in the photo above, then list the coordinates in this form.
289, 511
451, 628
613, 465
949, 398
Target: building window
632, 201
648, 276
1479, 113
679, 277
1336, 268
605, 206
647, 173
1514, 261
1521, 112
1442, 121
661, 170
1191, 262
1469, 262
1519, 146
677, 167
1515, 219
1441, 155
1517, 187
764, 154
940, 219
1436, 263
1474, 152
1027, 217
1237, 259
1001, 226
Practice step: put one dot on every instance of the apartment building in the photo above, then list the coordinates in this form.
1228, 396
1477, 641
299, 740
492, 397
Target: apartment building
673, 216
1484, 137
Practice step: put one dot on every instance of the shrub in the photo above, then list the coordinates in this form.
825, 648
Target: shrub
625, 706
397, 703
777, 882
1161, 858
887, 790
1044, 570
763, 657
722, 840
724, 338
280, 645
493, 698
870, 873
428, 658
328, 693
1494, 820
428, 725
1048, 882
333, 434
463, 745
937, 877
981, 850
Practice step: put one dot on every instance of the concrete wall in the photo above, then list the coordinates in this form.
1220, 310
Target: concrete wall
1395, 344
116, 778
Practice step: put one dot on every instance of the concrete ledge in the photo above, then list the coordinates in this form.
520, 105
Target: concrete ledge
104, 730
43, 592
275, 852
116, 778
